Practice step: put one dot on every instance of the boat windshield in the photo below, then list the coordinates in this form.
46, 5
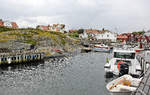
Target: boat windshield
124, 55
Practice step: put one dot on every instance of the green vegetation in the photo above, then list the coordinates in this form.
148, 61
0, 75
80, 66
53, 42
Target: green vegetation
139, 32
3, 29
80, 31
35, 36
74, 35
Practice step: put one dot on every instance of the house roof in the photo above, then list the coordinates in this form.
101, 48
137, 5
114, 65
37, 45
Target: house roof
72, 31
92, 31
14, 25
103, 31
44, 27
122, 36
1, 23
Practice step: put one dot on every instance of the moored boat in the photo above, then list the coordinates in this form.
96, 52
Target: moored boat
101, 48
123, 85
124, 61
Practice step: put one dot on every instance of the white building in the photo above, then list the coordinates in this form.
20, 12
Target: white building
58, 27
99, 35
106, 35
8, 24
84, 35
54, 27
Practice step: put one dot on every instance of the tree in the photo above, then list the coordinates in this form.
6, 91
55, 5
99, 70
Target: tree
80, 31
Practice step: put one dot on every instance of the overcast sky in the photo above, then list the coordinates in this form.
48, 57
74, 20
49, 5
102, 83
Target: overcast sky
115, 15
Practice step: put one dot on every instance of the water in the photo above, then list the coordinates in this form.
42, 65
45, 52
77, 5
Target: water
80, 75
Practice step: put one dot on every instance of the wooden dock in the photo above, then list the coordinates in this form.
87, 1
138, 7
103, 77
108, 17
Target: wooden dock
144, 86
20, 57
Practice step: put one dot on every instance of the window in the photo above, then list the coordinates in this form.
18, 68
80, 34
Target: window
3, 59
13, 58
107, 35
124, 55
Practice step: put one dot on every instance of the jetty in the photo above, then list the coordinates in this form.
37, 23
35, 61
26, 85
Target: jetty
144, 86
9, 57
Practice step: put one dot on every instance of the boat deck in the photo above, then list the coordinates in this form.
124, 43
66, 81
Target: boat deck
144, 86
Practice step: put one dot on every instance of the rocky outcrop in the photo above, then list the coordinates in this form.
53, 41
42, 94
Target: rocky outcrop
51, 43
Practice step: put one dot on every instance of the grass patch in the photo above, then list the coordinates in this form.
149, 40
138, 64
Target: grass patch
3, 29
74, 35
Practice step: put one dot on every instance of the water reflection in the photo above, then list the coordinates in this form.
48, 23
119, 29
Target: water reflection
79, 75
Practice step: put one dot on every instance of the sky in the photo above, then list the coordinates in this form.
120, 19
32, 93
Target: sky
115, 15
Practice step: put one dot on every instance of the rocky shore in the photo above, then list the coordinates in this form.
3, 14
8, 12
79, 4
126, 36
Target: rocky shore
51, 43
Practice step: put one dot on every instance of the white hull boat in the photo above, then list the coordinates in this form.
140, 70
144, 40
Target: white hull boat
101, 48
123, 85
124, 61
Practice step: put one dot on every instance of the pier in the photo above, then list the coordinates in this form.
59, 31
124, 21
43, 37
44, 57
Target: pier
9, 57
144, 86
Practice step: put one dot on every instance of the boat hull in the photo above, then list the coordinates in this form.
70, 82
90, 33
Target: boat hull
101, 50
120, 93
117, 87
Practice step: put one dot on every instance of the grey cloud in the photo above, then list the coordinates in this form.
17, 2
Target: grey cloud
126, 15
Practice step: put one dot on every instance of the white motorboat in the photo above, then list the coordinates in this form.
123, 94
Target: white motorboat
123, 85
124, 61
101, 48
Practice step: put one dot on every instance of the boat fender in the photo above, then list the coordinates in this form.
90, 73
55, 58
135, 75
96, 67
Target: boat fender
119, 64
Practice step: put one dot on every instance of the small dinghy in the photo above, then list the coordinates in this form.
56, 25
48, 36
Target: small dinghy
123, 85
101, 48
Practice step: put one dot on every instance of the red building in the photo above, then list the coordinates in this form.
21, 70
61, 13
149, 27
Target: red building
8, 24
14, 25
43, 27
1, 22
143, 39
123, 37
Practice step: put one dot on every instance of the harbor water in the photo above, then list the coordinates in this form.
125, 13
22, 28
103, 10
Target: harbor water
82, 74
